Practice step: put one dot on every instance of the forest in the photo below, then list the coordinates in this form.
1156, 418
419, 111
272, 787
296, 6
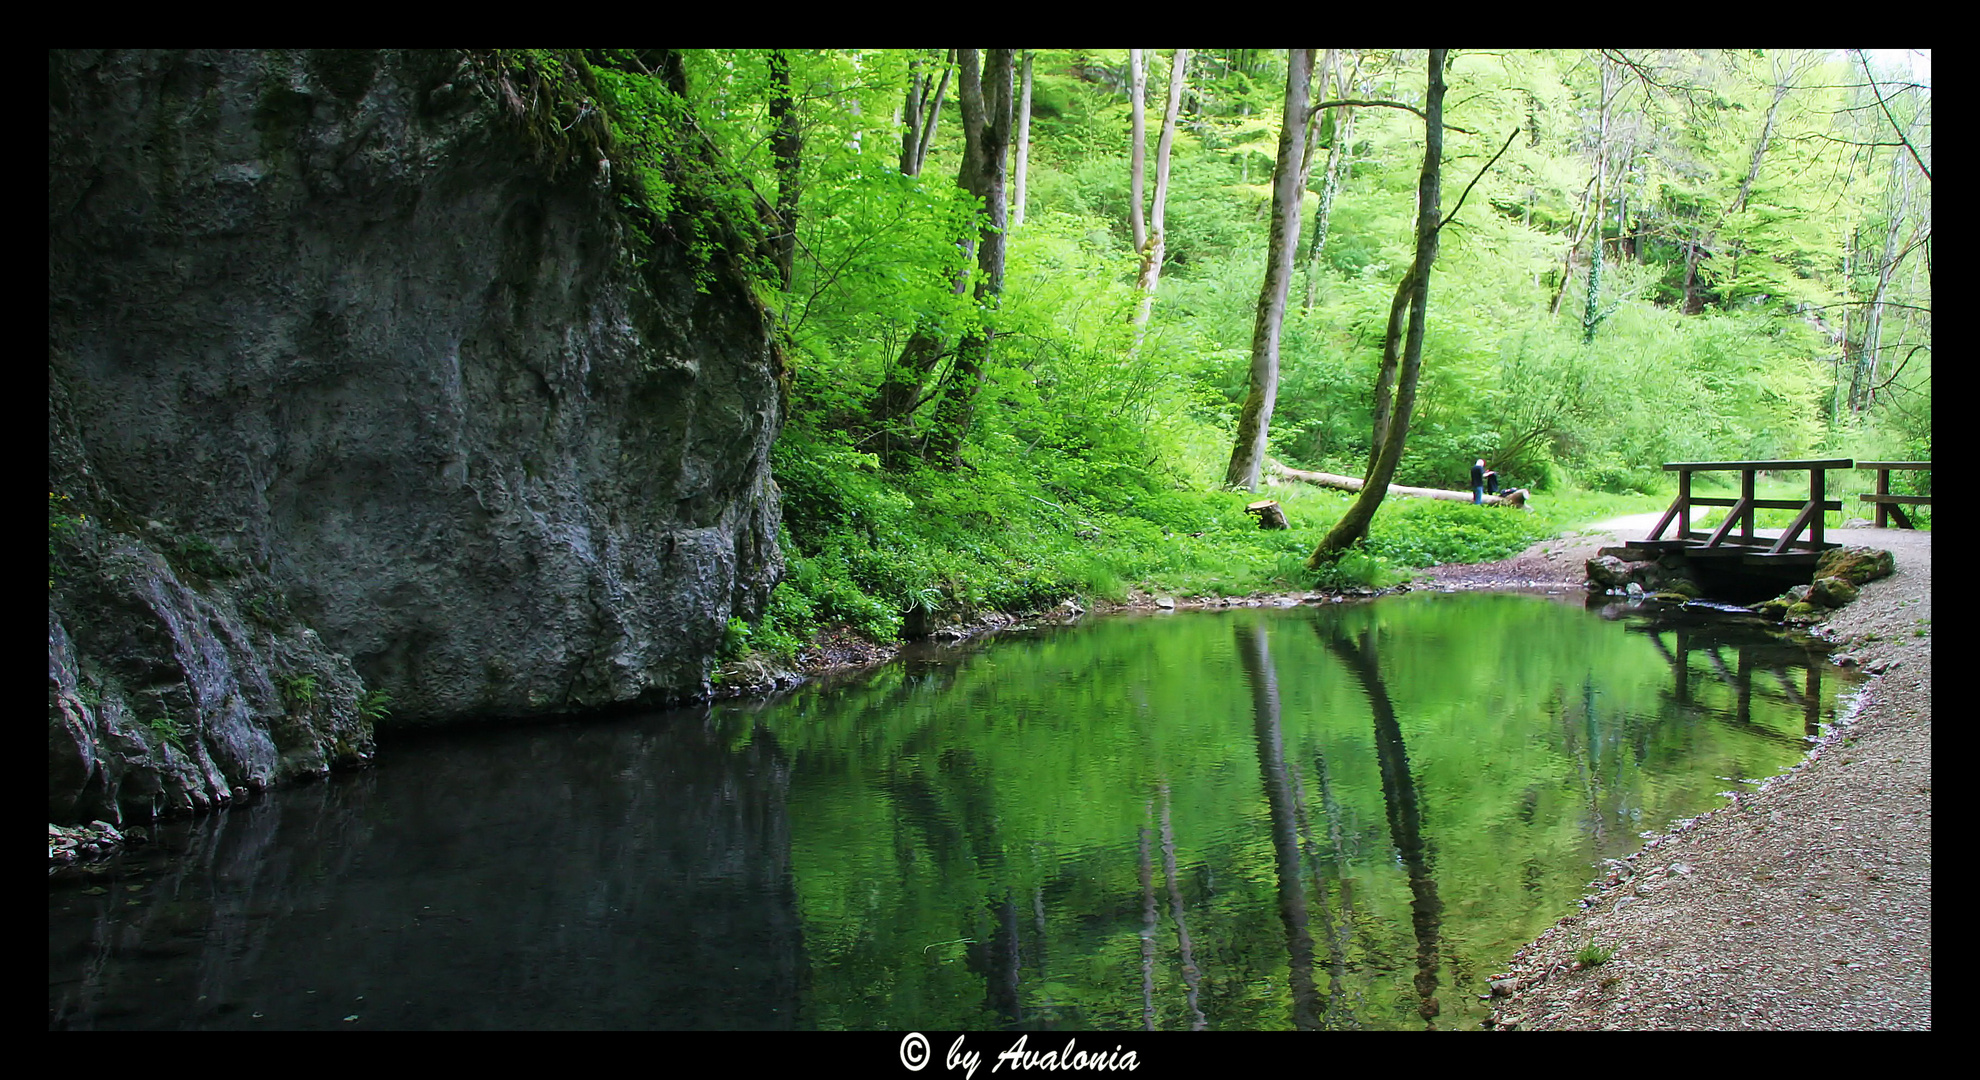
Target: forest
1052, 318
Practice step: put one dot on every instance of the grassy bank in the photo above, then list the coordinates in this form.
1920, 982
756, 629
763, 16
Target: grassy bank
881, 552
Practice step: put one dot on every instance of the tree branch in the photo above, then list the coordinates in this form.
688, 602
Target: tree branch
1358, 102
1864, 59
1475, 179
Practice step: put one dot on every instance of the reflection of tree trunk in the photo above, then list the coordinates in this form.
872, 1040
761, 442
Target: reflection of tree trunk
1147, 927
997, 961
1255, 651
1405, 816
1336, 1013
1190, 976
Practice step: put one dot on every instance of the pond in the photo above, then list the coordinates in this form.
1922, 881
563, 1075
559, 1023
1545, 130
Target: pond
1332, 816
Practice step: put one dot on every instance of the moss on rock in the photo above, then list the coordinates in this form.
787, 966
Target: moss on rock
1856, 565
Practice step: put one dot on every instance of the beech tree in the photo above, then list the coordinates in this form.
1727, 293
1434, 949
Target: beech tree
1154, 247
923, 112
985, 93
1336, 130
1392, 416
1255, 419
1023, 157
787, 144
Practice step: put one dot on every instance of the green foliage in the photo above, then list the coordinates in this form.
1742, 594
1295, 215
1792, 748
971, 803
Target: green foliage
197, 556
1093, 461
297, 690
1593, 955
172, 731
62, 526
375, 705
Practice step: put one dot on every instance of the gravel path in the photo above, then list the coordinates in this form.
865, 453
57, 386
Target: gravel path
1806, 905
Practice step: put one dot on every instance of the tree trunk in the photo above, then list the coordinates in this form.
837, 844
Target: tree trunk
924, 112
1157, 246
985, 95
1863, 384
1353, 525
1137, 147
1023, 141
1255, 421
1591, 316
1330, 185
786, 145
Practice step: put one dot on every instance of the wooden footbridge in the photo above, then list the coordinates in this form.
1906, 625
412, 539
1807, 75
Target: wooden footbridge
1734, 553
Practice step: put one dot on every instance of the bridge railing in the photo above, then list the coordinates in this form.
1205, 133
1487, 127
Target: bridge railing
1810, 519
1889, 505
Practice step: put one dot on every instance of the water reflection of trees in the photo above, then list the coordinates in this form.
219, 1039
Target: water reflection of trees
1293, 834
1399, 797
1255, 652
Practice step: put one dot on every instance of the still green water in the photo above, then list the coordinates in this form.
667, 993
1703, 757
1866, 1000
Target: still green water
1324, 817
1335, 816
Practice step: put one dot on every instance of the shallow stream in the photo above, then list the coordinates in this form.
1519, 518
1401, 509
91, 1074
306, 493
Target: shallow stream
1333, 816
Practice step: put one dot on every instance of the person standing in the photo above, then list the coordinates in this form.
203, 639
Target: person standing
1478, 483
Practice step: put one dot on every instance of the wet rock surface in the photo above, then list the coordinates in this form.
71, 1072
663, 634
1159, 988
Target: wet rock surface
355, 390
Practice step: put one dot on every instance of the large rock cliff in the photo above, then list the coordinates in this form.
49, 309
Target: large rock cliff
360, 399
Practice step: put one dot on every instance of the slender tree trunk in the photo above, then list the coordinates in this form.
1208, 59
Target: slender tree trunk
1353, 525
1591, 316
986, 97
1330, 185
911, 120
1156, 247
1583, 221
1863, 388
924, 112
1137, 146
1255, 420
787, 146
1023, 141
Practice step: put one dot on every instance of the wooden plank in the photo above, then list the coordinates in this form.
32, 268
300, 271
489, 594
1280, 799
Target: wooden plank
1893, 464
1801, 521
1677, 506
1766, 466
1733, 516
1907, 500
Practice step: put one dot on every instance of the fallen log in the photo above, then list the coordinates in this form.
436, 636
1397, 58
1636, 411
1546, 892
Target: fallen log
1514, 497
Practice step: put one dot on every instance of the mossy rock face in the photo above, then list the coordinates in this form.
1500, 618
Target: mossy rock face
1804, 613
1831, 592
1856, 565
